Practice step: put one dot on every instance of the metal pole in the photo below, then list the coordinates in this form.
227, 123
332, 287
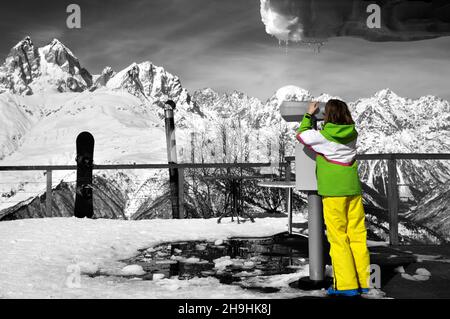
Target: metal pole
288, 179
181, 192
316, 237
192, 147
48, 194
172, 157
393, 201
315, 232
289, 210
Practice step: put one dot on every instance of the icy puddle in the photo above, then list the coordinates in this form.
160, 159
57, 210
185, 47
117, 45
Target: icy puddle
247, 262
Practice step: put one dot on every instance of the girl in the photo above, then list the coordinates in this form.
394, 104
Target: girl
338, 184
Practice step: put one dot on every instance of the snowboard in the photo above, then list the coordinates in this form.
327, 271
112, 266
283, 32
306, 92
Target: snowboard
85, 156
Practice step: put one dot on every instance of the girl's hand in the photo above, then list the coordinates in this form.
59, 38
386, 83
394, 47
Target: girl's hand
313, 106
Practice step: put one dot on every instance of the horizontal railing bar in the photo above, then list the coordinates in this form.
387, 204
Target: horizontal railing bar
187, 165
410, 156
406, 156
139, 166
418, 156
38, 168
236, 177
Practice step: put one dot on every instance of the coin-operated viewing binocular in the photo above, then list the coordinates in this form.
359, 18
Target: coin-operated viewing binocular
305, 158
293, 111
305, 181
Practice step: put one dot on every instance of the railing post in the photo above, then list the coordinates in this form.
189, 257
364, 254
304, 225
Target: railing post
289, 209
192, 147
48, 194
393, 201
288, 179
181, 191
172, 158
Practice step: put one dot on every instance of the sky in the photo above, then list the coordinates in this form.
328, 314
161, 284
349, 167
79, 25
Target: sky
223, 45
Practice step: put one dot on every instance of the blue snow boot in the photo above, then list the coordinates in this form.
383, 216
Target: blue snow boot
343, 293
364, 290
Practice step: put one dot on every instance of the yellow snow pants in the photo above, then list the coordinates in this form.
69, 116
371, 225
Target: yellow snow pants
346, 232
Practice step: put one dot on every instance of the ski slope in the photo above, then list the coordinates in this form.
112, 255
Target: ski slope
126, 130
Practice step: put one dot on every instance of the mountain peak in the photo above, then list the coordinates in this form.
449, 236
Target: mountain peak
206, 91
325, 97
56, 41
146, 80
238, 94
28, 69
58, 47
385, 93
26, 41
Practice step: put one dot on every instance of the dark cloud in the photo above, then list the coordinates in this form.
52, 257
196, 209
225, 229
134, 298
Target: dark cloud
400, 20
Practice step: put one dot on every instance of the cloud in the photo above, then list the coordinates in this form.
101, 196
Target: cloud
402, 20
285, 26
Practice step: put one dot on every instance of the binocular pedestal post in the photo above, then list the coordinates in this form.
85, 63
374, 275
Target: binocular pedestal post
316, 241
316, 237
305, 167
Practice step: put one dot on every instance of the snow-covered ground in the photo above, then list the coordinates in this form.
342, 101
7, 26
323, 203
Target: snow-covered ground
40, 258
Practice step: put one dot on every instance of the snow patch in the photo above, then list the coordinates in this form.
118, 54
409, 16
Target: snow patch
136, 270
292, 93
36, 265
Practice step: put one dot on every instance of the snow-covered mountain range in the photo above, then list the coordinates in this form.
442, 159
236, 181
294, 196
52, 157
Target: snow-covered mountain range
47, 98
28, 69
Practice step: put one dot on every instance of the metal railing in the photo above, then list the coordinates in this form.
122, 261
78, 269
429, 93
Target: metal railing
49, 169
392, 191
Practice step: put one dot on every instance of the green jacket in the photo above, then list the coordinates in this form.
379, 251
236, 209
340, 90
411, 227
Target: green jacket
336, 167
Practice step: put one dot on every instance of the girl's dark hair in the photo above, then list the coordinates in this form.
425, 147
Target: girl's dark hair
337, 112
